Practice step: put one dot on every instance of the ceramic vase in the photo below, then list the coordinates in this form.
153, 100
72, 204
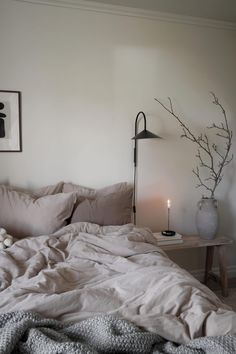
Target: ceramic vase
207, 218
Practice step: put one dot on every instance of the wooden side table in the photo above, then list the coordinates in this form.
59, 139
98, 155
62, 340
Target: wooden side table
219, 243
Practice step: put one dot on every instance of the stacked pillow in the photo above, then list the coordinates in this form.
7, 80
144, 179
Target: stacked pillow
48, 190
111, 205
41, 192
23, 214
46, 210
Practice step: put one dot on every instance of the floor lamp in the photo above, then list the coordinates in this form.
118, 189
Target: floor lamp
144, 134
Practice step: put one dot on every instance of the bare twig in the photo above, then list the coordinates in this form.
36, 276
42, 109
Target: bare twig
214, 161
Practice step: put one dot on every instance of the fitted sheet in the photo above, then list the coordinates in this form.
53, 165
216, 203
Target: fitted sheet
85, 270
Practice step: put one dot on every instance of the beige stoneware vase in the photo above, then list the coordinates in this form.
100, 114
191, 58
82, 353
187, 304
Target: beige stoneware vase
207, 218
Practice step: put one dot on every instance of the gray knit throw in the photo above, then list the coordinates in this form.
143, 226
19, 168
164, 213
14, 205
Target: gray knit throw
26, 332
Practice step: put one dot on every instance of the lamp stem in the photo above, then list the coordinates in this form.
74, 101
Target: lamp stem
135, 167
135, 160
134, 195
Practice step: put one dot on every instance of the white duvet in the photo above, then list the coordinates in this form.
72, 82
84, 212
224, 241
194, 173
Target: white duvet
85, 270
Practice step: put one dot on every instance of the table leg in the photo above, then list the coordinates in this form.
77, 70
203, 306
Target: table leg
209, 262
223, 270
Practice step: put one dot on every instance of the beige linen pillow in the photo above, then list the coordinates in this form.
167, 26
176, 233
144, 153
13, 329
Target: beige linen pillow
91, 193
81, 191
40, 192
110, 209
48, 190
24, 215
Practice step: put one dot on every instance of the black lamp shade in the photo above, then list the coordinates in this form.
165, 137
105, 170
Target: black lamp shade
145, 134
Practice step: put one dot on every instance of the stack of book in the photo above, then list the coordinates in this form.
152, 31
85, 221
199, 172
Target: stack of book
167, 240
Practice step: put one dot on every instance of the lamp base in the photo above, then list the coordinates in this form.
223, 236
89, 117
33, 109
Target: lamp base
168, 233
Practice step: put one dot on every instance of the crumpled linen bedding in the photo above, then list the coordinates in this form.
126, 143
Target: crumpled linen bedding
85, 270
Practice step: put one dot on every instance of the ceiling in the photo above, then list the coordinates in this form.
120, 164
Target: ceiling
223, 10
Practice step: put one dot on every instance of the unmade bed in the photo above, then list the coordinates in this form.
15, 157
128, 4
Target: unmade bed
85, 270
78, 261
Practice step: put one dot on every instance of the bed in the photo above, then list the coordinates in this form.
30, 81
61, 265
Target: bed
85, 271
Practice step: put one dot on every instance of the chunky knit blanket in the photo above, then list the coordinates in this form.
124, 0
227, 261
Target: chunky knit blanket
26, 332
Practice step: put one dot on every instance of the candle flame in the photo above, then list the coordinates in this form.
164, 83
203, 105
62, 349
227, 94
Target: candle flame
168, 203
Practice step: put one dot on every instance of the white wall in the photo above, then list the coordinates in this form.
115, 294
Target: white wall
84, 76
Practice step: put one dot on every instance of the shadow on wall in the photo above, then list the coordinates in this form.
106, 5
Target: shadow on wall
227, 205
227, 226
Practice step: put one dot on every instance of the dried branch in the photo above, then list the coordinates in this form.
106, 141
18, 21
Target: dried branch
213, 160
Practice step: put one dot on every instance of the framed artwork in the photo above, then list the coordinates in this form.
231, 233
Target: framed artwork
10, 121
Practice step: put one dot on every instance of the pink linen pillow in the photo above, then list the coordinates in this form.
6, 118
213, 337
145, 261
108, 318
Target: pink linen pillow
24, 215
109, 209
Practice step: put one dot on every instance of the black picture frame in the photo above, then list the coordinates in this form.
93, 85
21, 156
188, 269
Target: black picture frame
10, 121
